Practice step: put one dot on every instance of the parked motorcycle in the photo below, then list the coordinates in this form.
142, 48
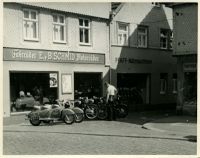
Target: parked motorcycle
79, 113
120, 108
87, 105
51, 112
102, 107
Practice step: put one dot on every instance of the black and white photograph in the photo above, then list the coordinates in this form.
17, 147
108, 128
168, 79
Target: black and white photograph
110, 78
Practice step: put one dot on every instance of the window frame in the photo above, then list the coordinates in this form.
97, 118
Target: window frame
168, 38
123, 32
59, 24
89, 31
142, 34
32, 20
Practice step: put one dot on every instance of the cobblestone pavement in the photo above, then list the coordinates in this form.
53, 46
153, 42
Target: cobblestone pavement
121, 137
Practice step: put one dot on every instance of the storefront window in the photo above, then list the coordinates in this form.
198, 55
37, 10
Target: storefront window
34, 88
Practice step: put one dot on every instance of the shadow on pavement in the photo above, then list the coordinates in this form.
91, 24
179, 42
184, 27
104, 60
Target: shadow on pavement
104, 135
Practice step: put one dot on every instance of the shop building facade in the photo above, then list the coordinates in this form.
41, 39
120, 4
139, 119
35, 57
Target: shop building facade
185, 50
142, 65
62, 49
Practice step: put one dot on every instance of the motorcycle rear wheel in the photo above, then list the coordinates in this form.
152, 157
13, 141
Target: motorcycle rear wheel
91, 111
35, 121
69, 119
79, 117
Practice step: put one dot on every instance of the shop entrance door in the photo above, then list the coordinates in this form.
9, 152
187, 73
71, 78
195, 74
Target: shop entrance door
134, 88
87, 84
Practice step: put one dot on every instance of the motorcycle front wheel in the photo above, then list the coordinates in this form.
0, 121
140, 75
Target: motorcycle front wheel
69, 118
102, 112
79, 117
91, 111
34, 120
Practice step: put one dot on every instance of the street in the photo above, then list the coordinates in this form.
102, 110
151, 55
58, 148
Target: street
121, 137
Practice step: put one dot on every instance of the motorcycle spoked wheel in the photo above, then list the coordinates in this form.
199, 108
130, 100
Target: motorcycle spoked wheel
79, 117
34, 120
91, 111
102, 113
69, 118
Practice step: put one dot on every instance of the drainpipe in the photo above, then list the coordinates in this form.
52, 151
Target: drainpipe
110, 21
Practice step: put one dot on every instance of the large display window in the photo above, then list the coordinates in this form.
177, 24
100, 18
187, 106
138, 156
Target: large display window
32, 88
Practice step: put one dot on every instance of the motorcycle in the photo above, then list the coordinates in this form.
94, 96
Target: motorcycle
50, 112
87, 105
120, 108
102, 107
79, 113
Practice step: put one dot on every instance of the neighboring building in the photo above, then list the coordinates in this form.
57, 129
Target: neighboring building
185, 50
61, 48
143, 68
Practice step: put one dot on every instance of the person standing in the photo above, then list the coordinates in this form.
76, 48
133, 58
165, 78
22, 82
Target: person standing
111, 93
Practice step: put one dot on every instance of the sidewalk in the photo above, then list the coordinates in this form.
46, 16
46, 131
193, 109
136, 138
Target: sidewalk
160, 121
185, 126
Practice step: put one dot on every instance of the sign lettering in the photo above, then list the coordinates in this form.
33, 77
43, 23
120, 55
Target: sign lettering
11, 54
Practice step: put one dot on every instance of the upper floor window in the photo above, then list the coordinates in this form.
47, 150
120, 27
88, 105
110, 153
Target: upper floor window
166, 37
59, 30
30, 24
122, 34
84, 31
142, 36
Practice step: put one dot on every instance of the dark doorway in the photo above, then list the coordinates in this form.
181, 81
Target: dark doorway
87, 84
28, 82
133, 87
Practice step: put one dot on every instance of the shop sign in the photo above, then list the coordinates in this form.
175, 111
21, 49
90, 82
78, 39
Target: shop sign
11, 54
132, 61
190, 67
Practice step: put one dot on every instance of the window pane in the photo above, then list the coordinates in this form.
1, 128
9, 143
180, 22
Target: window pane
61, 19
26, 14
122, 27
81, 35
81, 22
125, 39
34, 30
33, 15
142, 30
55, 32
86, 36
55, 18
62, 33
26, 29
86, 22
144, 40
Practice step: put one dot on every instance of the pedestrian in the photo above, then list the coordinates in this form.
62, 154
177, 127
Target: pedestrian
111, 93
